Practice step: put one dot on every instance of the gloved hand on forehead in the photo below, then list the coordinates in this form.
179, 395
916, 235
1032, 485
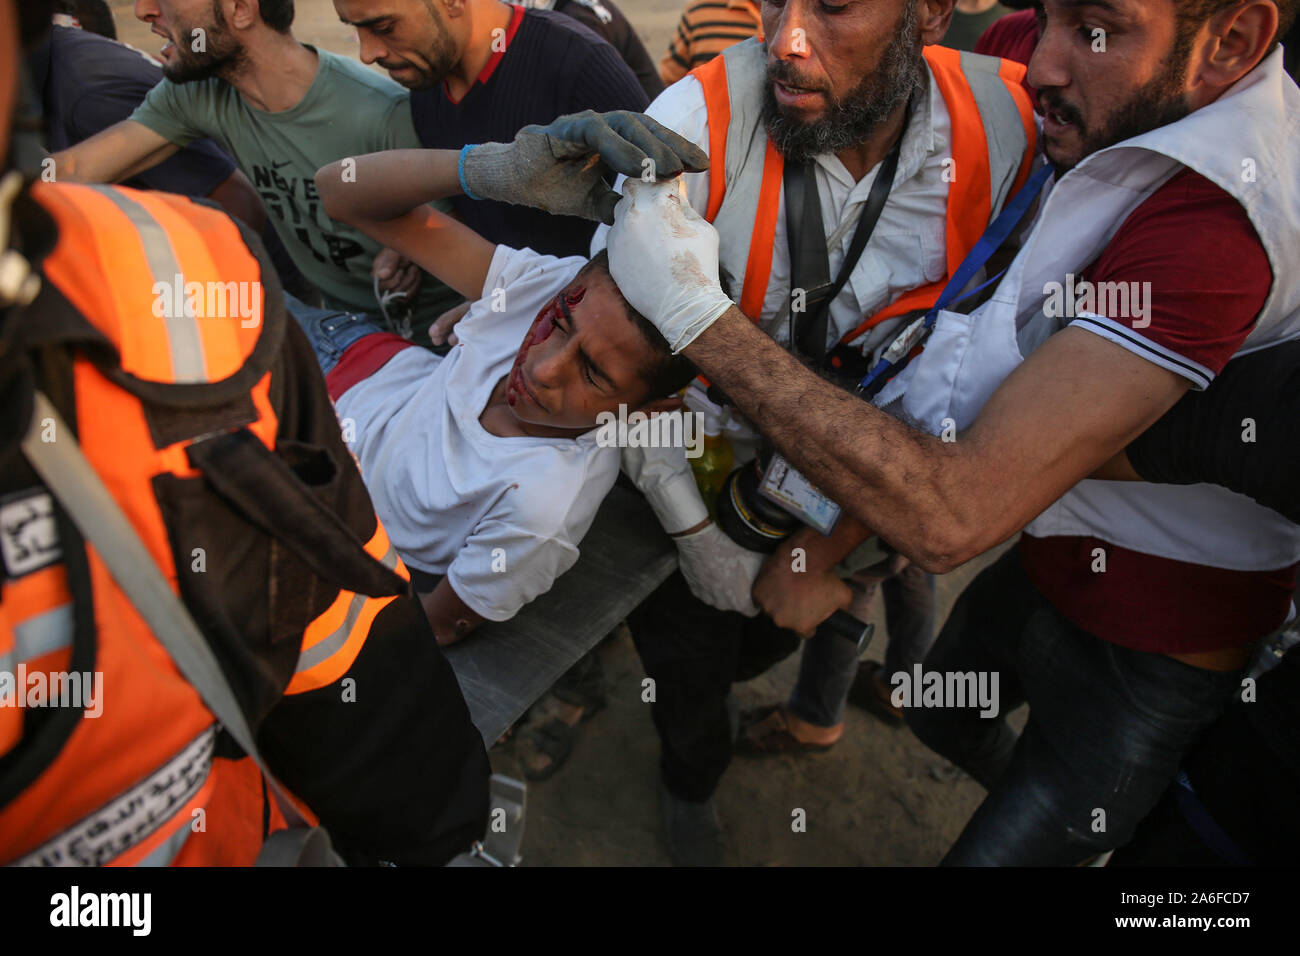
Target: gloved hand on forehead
551, 167
663, 256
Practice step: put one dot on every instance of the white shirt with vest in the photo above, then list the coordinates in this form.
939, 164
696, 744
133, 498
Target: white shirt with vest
1246, 144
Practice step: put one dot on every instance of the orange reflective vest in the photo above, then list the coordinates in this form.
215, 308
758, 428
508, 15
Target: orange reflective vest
140, 781
987, 105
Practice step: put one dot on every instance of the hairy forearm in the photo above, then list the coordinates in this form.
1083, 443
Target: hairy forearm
1068, 409
379, 187
824, 551
887, 476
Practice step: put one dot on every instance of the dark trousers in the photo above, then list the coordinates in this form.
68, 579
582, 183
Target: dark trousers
694, 653
1107, 730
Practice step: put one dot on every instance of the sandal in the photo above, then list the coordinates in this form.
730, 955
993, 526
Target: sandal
552, 739
764, 733
553, 736
872, 694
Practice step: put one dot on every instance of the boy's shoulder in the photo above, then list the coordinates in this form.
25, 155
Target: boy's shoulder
510, 265
562, 488
517, 284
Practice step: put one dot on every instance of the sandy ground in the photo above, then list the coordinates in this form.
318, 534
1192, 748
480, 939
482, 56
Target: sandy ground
879, 797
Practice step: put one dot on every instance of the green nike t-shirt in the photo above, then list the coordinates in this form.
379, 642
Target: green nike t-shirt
348, 110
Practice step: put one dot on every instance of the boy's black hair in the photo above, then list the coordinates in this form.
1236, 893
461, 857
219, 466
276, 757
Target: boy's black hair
667, 373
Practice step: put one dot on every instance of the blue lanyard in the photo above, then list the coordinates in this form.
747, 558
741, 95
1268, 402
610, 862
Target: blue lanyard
989, 243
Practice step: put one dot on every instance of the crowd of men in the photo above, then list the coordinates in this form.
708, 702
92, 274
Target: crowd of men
957, 275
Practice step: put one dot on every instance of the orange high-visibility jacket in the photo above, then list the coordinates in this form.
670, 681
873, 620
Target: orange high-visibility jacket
162, 338
994, 141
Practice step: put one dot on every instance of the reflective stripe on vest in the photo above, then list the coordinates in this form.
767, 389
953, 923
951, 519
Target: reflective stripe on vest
130, 818
332, 641
35, 636
178, 271
969, 205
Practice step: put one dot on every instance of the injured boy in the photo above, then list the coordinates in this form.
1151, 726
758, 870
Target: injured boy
484, 464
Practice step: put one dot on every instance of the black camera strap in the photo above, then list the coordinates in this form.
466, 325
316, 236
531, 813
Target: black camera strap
806, 241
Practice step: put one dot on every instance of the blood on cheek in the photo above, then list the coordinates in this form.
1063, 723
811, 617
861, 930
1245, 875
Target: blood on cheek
543, 327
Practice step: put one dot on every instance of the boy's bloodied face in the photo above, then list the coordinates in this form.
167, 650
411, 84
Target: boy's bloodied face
581, 356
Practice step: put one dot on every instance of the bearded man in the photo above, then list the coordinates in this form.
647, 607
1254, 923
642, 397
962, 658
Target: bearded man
481, 70
853, 165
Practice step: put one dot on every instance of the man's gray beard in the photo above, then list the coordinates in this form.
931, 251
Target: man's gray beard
851, 121
224, 55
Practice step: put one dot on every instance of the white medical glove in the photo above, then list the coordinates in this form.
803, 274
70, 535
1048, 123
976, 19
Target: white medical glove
719, 571
664, 258
664, 476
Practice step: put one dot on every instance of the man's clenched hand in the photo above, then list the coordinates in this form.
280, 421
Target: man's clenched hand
798, 600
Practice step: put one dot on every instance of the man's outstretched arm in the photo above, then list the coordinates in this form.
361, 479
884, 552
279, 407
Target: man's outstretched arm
123, 150
1075, 403
1069, 408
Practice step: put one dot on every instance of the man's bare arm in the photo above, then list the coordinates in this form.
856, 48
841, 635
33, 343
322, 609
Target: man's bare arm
449, 616
123, 150
385, 196
237, 197
1069, 408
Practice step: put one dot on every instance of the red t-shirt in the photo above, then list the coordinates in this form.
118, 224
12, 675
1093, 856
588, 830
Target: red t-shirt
1012, 37
1209, 279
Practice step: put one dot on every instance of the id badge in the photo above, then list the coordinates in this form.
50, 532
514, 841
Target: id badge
785, 486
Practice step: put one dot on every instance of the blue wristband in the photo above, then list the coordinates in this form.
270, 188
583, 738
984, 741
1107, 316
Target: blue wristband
460, 171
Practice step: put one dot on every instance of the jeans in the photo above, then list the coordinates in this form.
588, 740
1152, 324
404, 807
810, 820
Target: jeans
830, 664
330, 331
1107, 730
694, 653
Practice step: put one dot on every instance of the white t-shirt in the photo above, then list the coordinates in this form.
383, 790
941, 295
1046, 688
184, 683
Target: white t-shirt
500, 517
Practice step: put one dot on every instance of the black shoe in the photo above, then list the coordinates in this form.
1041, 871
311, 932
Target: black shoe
691, 830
